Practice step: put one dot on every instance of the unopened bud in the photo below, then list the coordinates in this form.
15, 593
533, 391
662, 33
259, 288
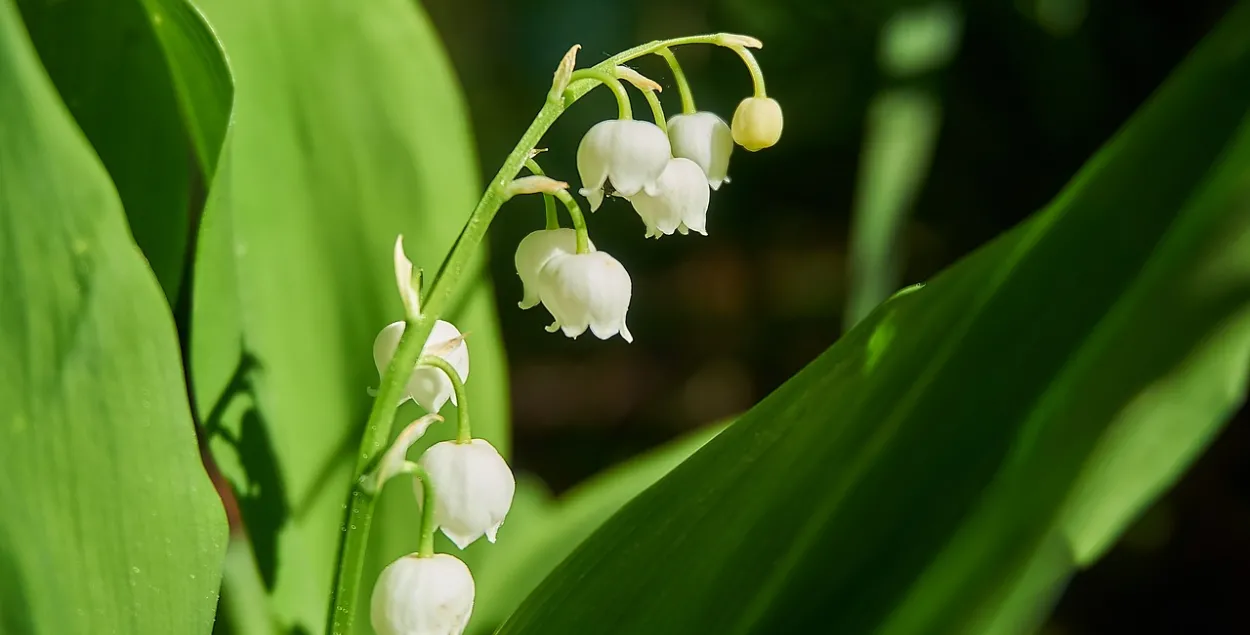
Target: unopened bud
640, 81
757, 123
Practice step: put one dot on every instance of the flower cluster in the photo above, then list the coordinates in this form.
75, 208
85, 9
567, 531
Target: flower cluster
667, 171
464, 486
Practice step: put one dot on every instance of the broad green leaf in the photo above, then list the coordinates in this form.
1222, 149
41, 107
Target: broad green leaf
347, 129
110, 523
542, 532
932, 471
200, 76
107, 65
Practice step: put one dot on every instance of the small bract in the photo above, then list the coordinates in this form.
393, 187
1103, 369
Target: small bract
679, 203
534, 251
757, 123
628, 154
429, 387
473, 488
704, 138
422, 596
586, 291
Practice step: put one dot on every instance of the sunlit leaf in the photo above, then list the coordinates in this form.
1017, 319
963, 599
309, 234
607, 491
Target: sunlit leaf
110, 524
347, 128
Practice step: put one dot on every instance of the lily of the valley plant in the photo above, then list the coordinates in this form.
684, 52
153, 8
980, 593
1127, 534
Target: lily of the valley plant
666, 171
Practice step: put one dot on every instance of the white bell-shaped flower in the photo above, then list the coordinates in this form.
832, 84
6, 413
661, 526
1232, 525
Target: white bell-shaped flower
679, 202
706, 139
586, 291
533, 252
629, 154
422, 596
473, 488
429, 387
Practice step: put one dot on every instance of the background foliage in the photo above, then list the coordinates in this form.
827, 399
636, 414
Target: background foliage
1017, 412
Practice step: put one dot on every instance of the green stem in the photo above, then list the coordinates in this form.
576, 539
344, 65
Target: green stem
757, 73
463, 432
437, 298
425, 546
549, 203
657, 110
579, 221
359, 513
623, 108
679, 76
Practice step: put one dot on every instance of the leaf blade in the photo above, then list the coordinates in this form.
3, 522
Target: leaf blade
108, 509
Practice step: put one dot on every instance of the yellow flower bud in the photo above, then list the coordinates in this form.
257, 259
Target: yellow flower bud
757, 123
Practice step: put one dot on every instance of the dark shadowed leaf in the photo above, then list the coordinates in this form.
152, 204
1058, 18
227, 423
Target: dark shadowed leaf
107, 65
944, 466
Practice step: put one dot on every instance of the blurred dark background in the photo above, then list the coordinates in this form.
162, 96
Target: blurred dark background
1034, 88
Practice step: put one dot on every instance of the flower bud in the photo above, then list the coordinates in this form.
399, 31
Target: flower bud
757, 123
680, 202
429, 387
473, 488
628, 154
586, 290
705, 139
422, 596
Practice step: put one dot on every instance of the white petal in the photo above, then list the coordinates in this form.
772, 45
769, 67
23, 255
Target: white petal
681, 196
706, 139
534, 251
642, 151
586, 291
593, 154
631, 154
422, 596
429, 387
473, 485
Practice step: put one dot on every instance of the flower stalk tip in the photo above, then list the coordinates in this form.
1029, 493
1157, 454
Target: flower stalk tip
534, 184
409, 285
563, 74
733, 40
639, 81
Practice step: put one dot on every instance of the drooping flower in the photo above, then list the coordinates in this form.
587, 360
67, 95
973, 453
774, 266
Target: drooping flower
628, 154
704, 138
534, 251
429, 387
422, 596
679, 202
757, 123
473, 488
586, 291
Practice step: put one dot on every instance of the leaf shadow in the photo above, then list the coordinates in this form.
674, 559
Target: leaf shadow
262, 499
